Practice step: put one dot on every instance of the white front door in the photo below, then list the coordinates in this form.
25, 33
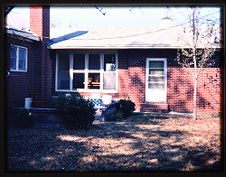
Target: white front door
156, 80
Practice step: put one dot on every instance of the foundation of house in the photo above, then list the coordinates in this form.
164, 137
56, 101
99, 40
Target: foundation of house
45, 117
154, 107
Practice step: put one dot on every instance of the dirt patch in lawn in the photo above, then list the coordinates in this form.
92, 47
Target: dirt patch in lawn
138, 143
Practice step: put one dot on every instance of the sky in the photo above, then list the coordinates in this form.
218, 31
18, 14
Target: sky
120, 16
114, 16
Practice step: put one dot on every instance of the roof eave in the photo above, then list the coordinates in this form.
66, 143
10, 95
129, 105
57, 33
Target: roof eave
120, 47
23, 34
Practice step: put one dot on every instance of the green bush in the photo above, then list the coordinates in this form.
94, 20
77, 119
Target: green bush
127, 107
75, 111
119, 110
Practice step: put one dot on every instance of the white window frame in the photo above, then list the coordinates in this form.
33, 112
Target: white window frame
94, 71
86, 71
165, 76
17, 59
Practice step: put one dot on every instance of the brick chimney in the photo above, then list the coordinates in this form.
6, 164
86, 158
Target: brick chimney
40, 21
40, 25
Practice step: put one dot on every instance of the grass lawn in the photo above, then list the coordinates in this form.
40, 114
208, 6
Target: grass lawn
142, 142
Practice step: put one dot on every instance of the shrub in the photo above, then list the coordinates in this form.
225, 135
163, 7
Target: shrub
127, 107
75, 111
119, 110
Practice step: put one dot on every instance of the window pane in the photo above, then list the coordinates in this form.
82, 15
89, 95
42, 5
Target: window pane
22, 59
156, 86
78, 80
156, 64
156, 71
63, 81
63, 62
13, 63
79, 61
13, 57
94, 80
13, 51
109, 62
94, 61
156, 78
110, 80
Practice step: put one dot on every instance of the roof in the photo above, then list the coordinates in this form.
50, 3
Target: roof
16, 20
22, 33
18, 25
123, 38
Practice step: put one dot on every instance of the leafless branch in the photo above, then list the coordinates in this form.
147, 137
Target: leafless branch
100, 9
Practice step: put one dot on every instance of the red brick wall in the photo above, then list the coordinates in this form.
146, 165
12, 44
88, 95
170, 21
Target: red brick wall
137, 81
37, 74
123, 76
131, 77
40, 21
137, 69
180, 90
179, 83
40, 25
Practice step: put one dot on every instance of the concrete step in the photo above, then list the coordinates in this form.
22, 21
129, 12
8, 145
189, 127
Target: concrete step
154, 107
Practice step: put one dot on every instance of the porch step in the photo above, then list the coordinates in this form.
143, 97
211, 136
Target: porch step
154, 107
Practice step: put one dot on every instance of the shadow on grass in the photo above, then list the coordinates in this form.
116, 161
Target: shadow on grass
109, 146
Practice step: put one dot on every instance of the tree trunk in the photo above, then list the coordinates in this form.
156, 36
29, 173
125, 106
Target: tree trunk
195, 67
195, 97
195, 85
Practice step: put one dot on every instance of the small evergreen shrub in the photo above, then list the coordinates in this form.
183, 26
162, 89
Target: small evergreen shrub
75, 111
119, 110
127, 107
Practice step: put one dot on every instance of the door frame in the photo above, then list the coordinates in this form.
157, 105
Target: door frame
146, 77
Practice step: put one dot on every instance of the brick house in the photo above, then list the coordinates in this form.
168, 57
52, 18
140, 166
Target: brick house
125, 63
29, 60
21, 78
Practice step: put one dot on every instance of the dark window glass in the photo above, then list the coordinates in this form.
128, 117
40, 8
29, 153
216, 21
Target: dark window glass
109, 62
13, 57
156, 64
63, 62
94, 61
79, 62
63, 81
78, 80
22, 59
94, 80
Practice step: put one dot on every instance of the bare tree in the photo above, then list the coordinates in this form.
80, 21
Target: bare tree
200, 48
100, 9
